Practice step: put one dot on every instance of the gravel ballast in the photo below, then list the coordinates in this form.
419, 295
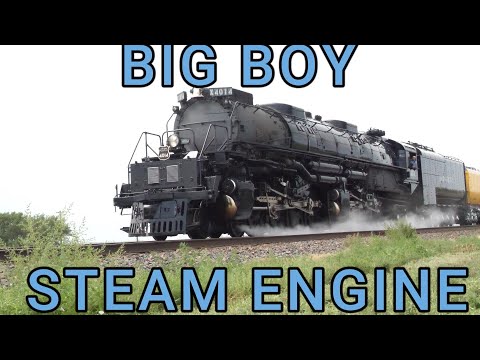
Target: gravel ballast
255, 252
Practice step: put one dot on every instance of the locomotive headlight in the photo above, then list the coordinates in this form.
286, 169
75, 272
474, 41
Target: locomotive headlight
173, 141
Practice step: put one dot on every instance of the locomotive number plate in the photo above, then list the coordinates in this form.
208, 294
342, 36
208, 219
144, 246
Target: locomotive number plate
164, 153
221, 92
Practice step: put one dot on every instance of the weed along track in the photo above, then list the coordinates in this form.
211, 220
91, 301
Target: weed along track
329, 241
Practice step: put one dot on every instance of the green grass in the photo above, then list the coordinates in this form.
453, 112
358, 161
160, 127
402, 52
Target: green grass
400, 248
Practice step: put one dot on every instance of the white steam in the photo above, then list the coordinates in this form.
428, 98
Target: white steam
357, 222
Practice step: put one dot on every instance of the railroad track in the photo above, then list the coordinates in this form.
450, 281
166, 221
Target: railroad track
146, 247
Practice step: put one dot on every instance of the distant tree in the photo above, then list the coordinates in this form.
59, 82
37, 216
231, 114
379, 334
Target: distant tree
14, 226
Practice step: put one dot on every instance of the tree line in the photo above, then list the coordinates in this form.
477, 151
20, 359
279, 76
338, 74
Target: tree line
14, 226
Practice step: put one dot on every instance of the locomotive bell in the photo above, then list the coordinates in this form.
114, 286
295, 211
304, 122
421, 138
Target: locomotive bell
333, 208
229, 207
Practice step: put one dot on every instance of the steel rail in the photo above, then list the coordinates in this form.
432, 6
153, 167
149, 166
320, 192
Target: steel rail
172, 245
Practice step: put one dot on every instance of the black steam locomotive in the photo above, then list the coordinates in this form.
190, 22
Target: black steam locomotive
229, 165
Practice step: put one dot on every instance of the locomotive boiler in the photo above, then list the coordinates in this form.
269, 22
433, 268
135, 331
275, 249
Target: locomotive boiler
229, 165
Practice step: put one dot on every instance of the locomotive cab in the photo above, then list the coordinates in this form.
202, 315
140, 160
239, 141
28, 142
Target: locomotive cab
402, 155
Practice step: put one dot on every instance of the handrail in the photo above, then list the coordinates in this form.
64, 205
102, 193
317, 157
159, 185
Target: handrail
205, 141
160, 137
214, 137
168, 121
289, 118
147, 146
231, 119
453, 158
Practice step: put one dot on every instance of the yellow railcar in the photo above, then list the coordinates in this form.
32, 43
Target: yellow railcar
473, 186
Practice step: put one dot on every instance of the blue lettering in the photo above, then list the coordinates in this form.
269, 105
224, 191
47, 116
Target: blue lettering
156, 278
167, 68
216, 287
52, 294
263, 64
445, 289
360, 294
144, 64
260, 289
112, 289
208, 69
339, 64
81, 290
310, 67
380, 289
297, 283
420, 297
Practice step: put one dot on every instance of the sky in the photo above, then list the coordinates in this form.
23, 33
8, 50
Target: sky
68, 127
